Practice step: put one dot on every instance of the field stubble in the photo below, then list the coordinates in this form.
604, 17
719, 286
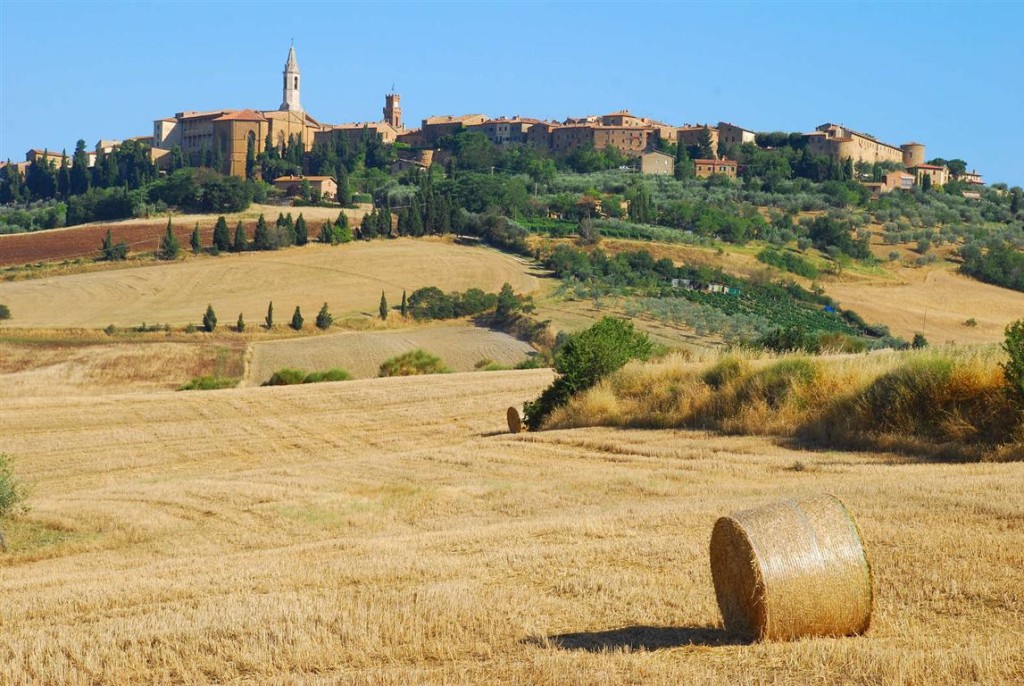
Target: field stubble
390, 532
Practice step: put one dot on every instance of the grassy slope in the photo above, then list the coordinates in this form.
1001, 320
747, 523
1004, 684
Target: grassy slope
389, 531
349, 277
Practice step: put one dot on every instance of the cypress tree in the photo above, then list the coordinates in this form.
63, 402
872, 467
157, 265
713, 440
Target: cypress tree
383, 309
221, 235
79, 169
405, 306
326, 235
261, 238
169, 245
269, 319
241, 240
194, 241
209, 319
64, 178
301, 231
240, 324
297, 320
324, 318
926, 182
344, 196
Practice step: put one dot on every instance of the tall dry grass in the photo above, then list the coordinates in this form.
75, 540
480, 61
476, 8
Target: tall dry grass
947, 403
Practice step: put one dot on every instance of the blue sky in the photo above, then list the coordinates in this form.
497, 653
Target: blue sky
950, 75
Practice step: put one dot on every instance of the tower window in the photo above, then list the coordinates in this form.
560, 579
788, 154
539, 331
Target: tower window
296, 83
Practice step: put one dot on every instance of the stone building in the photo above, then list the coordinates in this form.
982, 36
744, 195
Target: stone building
657, 163
690, 136
841, 143
326, 186
939, 176
505, 130
232, 132
705, 168
735, 135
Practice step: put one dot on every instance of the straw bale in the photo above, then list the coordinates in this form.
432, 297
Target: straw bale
515, 424
791, 569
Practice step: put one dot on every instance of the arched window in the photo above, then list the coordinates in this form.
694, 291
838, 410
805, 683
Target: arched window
296, 83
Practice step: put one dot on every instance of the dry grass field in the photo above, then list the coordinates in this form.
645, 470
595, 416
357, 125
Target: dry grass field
391, 532
461, 346
349, 278
55, 368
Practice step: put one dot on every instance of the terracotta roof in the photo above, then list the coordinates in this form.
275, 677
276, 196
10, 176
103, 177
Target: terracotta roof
286, 179
241, 115
449, 118
200, 115
727, 162
927, 166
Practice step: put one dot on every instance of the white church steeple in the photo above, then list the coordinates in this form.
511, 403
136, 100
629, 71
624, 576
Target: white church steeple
291, 83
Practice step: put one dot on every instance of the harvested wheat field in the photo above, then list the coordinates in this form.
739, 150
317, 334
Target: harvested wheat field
934, 301
349, 278
88, 368
460, 346
393, 532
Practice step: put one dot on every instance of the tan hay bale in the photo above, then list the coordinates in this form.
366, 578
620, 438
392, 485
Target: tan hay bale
790, 569
515, 424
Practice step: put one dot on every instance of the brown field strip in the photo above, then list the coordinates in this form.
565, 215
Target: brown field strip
391, 532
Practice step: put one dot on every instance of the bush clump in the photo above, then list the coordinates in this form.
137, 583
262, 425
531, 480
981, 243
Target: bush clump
413, 363
12, 492
209, 383
290, 377
586, 358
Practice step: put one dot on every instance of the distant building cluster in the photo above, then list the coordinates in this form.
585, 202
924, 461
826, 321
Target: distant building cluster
237, 136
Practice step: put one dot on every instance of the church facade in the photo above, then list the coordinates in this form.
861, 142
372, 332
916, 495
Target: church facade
231, 133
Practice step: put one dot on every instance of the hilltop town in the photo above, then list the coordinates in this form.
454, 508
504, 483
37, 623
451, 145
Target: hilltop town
231, 140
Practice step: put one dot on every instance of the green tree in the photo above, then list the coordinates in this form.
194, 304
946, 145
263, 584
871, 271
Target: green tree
209, 319
262, 239
586, 358
324, 318
5, 312
383, 309
240, 324
683, 167
80, 177
111, 251
297, 320
241, 242
301, 231
1016, 200
1013, 368
926, 182
195, 240
508, 303
64, 177
705, 146
344, 196
221, 235
641, 205
405, 306
269, 319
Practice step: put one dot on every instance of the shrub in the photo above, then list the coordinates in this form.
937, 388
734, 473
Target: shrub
1013, 368
110, 330
240, 324
12, 492
971, 323
919, 341
297, 319
587, 357
286, 377
209, 383
209, 319
289, 377
324, 319
413, 363
724, 371
5, 312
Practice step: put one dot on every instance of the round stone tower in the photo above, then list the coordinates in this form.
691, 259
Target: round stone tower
913, 154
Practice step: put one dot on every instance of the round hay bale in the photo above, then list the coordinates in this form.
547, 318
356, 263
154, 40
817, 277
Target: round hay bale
515, 424
790, 569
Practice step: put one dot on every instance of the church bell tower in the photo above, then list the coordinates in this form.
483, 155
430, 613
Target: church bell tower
291, 83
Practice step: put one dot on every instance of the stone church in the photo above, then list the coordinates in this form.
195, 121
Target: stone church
232, 132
